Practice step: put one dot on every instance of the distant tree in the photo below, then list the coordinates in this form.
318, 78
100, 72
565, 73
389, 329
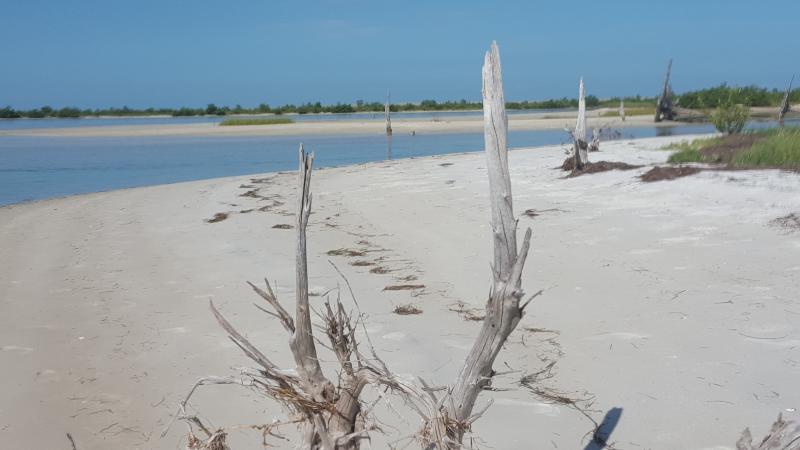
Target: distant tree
68, 112
9, 113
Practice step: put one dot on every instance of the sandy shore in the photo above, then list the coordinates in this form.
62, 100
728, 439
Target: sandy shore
675, 301
538, 121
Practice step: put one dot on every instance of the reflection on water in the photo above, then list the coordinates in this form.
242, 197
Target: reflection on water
664, 131
34, 168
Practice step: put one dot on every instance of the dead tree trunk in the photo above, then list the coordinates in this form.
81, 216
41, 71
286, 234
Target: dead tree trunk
785, 106
622, 110
387, 113
503, 309
665, 106
580, 148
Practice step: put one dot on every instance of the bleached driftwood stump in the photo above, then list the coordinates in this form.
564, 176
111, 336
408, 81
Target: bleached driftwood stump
388, 115
579, 145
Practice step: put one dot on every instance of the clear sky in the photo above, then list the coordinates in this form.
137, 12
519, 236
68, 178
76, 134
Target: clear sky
98, 53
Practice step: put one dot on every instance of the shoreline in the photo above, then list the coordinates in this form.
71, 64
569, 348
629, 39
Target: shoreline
331, 167
536, 121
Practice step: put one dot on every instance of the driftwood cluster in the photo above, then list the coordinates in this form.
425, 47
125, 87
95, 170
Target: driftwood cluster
330, 411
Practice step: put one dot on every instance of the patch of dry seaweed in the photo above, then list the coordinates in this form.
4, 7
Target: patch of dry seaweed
404, 287
218, 217
407, 310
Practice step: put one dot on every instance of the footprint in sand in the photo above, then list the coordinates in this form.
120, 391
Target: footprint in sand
47, 376
621, 335
395, 336
536, 407
17, 349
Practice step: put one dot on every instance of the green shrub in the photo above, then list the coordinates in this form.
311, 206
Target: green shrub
729, 118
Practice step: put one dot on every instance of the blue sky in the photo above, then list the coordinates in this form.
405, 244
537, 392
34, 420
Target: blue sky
173, 53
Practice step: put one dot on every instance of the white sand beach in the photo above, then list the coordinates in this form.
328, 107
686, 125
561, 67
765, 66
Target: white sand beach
676, 301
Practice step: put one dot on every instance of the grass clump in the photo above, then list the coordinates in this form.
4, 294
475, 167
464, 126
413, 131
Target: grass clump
772, 148
243, 121
779, 148
636, 111
689, 151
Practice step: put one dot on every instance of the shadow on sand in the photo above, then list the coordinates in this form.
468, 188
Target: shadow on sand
603, 433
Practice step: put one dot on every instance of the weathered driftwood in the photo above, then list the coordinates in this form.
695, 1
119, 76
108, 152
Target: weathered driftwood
388, 115
785, 106
331, 414
579, 145
783, 436
503, 308
664, 105
594, 146
622, 110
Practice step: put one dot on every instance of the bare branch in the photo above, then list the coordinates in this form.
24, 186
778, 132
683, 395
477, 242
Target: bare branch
269, 296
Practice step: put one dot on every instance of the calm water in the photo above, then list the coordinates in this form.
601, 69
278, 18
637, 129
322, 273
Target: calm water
18, 124
33, 168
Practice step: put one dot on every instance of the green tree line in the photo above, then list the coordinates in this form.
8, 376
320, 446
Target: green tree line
700, 99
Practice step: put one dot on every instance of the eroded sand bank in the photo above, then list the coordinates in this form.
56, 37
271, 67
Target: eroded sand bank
675, 301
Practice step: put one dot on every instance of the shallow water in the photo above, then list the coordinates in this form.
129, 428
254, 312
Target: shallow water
34, 168
19, 124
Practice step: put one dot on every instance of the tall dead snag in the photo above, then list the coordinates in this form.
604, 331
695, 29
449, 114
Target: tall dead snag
664, 106
503, 309
785, 106
579, 146
622, 110
783, 436
387, 114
